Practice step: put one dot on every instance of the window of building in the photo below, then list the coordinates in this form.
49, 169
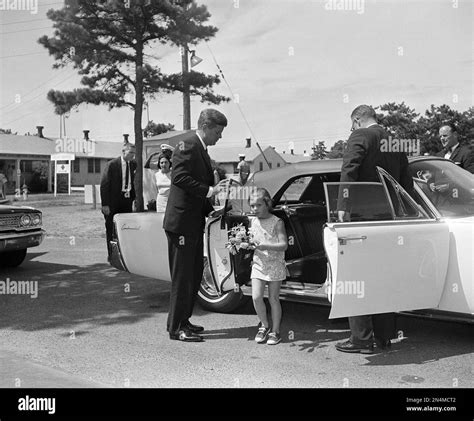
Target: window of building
270, 165
93, 165
75, 166
260, 166
27, 166
278, 165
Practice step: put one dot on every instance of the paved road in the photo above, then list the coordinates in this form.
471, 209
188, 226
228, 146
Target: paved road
92, 326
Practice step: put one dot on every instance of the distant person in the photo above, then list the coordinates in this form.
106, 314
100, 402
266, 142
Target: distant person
192, 187
163, 181
361, 157
3, 183
117, 191
268, 265
462, 155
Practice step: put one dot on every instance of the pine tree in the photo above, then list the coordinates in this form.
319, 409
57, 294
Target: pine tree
107, 41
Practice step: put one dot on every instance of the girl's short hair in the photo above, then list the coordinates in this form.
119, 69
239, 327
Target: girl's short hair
262, 193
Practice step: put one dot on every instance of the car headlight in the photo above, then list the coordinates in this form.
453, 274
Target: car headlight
25, 220
36, 219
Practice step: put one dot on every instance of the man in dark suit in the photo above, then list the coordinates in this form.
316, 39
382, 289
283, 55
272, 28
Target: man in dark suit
189, 202
363, 154
462, 155
117, 191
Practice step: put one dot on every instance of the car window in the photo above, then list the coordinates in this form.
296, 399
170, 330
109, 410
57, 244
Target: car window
295, 189
306, 189
448, 187
403, 205
361, 201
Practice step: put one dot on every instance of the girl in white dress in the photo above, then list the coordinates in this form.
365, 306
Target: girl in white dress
268, 266
163, 182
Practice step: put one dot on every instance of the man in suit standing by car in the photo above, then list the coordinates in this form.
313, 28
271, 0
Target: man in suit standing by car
462, 155
117, 191
189, 202
363, 154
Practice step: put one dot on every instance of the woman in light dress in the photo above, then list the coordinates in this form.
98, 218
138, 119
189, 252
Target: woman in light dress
163, 181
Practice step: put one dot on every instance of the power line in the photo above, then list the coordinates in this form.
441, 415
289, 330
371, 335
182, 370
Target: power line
22, 21
34, 89
238, 106
21, 55
26, 30
32, 99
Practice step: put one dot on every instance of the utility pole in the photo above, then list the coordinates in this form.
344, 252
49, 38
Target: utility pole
186, 96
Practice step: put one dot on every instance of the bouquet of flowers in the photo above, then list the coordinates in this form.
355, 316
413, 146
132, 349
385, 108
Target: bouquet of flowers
238, 235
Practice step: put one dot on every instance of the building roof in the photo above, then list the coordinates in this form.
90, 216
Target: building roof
222, 153
34, 145
291, 159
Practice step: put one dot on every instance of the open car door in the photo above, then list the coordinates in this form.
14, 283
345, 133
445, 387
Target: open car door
143, 243
388, 255
228, 271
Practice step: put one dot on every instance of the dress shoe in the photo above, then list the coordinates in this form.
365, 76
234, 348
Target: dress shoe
193, 328
348, 346
382, 343
185, 335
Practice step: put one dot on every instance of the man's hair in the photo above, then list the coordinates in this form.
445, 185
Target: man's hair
451, 125
127, 146
364, 111
262, 193
211, 118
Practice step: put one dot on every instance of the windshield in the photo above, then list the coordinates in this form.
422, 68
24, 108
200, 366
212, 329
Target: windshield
449, 187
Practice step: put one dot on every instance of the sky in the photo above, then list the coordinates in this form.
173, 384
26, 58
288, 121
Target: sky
294, 68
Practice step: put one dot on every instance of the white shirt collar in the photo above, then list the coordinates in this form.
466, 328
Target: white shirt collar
202, 141
373, 124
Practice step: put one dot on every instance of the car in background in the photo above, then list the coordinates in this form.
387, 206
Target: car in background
20, 229
397, 252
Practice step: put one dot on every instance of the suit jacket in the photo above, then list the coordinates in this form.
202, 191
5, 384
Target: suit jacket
364, 152
191, 177
111, 183
463, 155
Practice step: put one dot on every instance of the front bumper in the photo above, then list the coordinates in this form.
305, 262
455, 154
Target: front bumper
20, 240
116, 259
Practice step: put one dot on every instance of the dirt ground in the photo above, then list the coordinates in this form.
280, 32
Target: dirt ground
66, 216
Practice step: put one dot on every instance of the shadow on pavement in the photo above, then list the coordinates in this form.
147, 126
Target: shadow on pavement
68, 295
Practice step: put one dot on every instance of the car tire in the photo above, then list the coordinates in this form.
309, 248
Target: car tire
12, 258
210, 300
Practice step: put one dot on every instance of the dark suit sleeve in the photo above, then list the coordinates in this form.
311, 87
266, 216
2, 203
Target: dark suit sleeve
182, 175
406, 179
468, 161
353, 156
105, 184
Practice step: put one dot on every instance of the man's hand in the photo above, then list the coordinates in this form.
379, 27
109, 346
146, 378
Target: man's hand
219, 187
106, 210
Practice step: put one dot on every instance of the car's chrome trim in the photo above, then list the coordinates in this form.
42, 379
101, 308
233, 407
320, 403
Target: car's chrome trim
22, 240
208, 239
446, 316
116, 259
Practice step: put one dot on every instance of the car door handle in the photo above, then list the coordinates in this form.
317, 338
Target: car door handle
344, 240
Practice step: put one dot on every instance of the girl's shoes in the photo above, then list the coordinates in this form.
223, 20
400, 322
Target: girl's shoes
262, 334
274, 338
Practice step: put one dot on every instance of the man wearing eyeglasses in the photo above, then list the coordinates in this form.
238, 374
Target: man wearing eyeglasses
363, 154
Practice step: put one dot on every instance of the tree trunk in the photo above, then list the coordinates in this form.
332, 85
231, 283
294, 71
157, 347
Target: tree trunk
138, 126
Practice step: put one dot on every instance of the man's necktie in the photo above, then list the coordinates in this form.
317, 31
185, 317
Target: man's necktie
127, 172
